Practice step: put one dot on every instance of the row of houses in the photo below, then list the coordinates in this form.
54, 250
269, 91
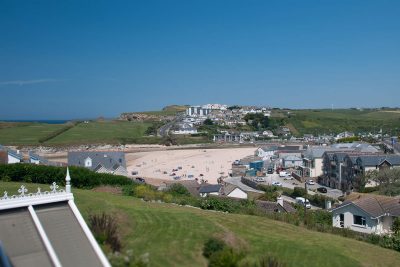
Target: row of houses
112, 162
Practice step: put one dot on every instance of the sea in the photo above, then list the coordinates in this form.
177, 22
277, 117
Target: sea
39, 121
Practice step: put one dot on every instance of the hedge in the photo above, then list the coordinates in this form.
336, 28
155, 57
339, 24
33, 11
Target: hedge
80, 177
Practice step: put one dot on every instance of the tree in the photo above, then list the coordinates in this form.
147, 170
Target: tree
396, 225
388, 181
208, 122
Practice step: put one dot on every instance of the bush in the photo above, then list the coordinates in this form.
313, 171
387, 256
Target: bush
178, 190
105, 228
80, 177
212, 246
225, 258
298, 192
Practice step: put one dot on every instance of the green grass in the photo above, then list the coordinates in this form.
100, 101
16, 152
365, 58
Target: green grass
84, 133
25, 133
338, 120
102, 132
174, 236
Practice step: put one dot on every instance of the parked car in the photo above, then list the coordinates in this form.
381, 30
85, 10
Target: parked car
303, 202
322, 189
289, 177
259, 179
310, 182
270, 171
283, 174
134, 172
277, 183
140, 180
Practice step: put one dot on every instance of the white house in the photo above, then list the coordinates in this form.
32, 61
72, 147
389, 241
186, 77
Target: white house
266, 152
210, 189
15, 156
234, 192
372, 214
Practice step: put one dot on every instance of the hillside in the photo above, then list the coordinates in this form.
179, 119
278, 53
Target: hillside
319, 121
174, 235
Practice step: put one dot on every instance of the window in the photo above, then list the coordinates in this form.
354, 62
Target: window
359, 220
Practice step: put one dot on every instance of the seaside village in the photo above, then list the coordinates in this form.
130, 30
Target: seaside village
330, 170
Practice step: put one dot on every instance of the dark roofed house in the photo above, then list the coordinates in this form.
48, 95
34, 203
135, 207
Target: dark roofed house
191, 185
36, 159
367, 213
279, 206
46, 229
210, 189
102, 162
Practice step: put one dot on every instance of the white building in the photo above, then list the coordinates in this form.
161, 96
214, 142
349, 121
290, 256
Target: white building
372, 214
15, 156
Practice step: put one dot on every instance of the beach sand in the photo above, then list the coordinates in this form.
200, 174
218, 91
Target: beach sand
208, 164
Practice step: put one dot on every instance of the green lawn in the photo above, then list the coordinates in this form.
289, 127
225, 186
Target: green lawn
174, 236
102, 132
25, 133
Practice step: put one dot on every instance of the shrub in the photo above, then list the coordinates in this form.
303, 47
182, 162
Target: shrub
225, 258
80, 177
105, 227
269, 261
178, 190
298, 192
212, 246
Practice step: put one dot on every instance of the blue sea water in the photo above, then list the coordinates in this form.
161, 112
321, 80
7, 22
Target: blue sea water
39, 121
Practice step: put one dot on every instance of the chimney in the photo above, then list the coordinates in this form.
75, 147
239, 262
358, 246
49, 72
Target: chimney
328, 204
279, 200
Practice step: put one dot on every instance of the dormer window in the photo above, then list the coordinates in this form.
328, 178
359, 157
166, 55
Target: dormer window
88, 163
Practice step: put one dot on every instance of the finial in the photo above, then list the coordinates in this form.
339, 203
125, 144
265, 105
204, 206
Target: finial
54, 187
68, 182
22, 190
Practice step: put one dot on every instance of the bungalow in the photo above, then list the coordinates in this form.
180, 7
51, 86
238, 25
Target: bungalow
372, 214
344, 135
36, 159
101, 162
186, 128
279, 206
234, 191
15, 156
210, 189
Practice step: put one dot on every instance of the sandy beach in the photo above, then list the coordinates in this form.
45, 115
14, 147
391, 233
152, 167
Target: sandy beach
208, 164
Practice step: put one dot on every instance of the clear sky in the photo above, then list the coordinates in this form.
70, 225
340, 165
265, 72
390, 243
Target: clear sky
80, 59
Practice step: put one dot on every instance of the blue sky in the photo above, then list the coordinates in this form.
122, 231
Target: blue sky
80, 59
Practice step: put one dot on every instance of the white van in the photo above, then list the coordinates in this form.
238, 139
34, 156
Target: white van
301, 200
283, 174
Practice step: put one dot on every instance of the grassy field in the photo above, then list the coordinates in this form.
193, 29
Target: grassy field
101, 132
174, 236
25, 133
338, 120
96, 132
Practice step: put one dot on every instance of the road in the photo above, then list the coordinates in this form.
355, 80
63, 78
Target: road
332, 193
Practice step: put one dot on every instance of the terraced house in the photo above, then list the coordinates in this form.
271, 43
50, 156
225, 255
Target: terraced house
341, 169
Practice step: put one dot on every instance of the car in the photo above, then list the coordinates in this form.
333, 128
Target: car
288, 178
140, 180
310, 182
303, 202
259, 179
283, 174
322, 189
270, 171
277, 183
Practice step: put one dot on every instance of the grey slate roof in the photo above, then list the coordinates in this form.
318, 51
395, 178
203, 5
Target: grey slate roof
15, 154
374, 205
270, 206
109, 160
210, 188
34, 156
376, 160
